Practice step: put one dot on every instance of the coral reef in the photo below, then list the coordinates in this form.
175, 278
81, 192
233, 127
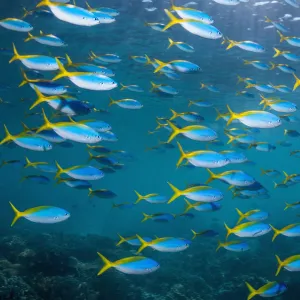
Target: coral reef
58, 266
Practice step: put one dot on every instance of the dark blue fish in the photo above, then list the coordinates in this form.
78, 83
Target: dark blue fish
40, 179
187, 215
123, 205
159, 217
103, 193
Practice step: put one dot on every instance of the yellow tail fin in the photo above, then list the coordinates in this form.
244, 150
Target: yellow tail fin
111, 101
60, 170
144, 244
123, 87
267, 20
188, 206
287, 206
140, 197
121, 241
212, 176
182, 155
231, 138
146, 217
175, 132
273, 66
173, 20
231, 44
233, 115
40, 98
172, 43
62, 71
18, 214
280, 265
229, 231
47, 124
154, 86
69, 61
276, 233
177, 193
25, 78
16, 56
282, 37
107, 264
277, 52
242, 216
161, 65
220, 245
174, 114
91, 193
194, 234
252, 291
8, 136
297, 83
30, 37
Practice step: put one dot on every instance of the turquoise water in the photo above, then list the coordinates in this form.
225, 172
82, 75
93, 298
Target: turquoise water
149, 171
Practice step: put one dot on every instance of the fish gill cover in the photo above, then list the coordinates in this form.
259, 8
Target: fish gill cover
153, 138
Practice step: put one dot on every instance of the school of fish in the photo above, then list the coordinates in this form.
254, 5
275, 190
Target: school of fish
65, 127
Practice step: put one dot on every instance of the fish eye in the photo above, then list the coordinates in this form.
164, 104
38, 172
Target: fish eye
83, 18
96, 19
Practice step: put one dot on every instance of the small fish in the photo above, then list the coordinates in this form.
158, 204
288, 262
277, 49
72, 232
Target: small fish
255, 215
156, 26
245, 45
279, 26
200, 103
271, 289
182, 46
132, 88
36, 62
107, 58
16, 25
71, 131
23, 140
41, 214
292, 230
47, 39
228, 2
40, 179
70, 13
80, 172
151, 198
265, 88
75, 183
283, 67
159, 217
202, 158
163, 88
270, 173
191, 14
233, 177
103, 193
199, 193
258, 64
202, 206
292, 40
248, 229
235, 246
15, 163
209, 87
255, 118
194, 132
234, 157
291, 264
125, 205
86, 80
196, 27
167, 244
126, 103
182, 66
291, 133
187, 116
137, 265
263, 146
205, 233
286, 54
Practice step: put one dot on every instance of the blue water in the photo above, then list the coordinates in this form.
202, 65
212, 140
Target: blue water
149, 171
